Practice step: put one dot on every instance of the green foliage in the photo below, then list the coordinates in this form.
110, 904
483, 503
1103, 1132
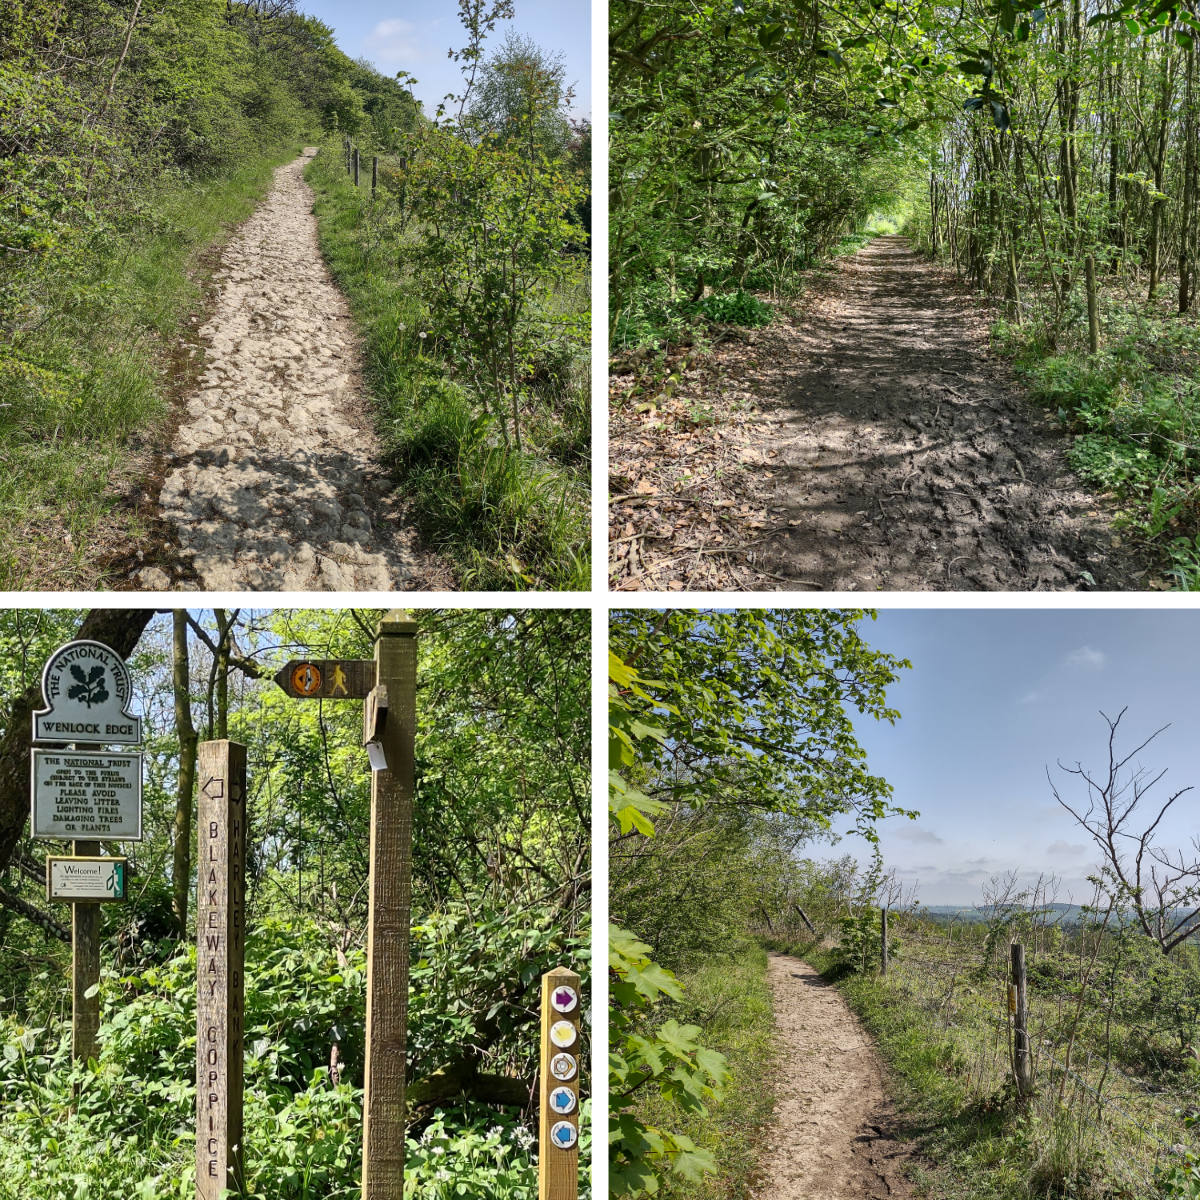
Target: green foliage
670, 1058
744, 143
729, 997
519, 100
766, 727
130, 141
726, 729
1137, 428
500, 895
494, 250
454, 394
736, 309
1181, 1180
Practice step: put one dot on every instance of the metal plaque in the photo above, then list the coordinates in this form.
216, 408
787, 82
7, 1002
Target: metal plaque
85, 795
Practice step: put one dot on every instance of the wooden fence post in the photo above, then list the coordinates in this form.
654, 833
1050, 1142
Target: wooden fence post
356, 166
220, 957
558, 1126
390, 883
1017, 1004
883, 941
374, 174
85, 969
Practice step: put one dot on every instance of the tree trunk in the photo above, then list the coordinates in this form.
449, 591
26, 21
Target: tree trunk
1188, 201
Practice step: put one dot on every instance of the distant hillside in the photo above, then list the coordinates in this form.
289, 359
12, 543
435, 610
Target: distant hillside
1059, 914
1064, 914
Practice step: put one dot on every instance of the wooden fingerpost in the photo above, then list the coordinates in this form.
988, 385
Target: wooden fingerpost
883, 941
356, 166
220, 954
558, 1128
374, 174
392, 775
85, 969
1017, 1002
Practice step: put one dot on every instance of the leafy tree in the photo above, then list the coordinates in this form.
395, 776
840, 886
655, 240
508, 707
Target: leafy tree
720, 724
520, 99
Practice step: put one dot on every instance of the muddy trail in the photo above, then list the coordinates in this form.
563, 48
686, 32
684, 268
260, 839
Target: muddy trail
831, 1137
273, 481
884, 449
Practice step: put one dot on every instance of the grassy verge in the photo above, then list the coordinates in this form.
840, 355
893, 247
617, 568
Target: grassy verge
1134, 409
729, 999
505, 519
83, 378
959, 1105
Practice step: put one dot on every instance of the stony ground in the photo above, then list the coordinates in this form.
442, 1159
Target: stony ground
830, 1139
869, 442
273, 482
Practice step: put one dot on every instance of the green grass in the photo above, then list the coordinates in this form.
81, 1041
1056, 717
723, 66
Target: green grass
504, 519
84, 377
728, 997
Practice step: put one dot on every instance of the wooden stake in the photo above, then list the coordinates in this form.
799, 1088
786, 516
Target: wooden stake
374, 174
220, 954
388, 913
558, 1161
883, 941
85, 969
356, 166
1022, 1062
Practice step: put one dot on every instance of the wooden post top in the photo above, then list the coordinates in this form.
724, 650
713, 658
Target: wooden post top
397, 622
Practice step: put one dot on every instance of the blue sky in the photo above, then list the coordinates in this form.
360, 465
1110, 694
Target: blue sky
403, 35
996, 695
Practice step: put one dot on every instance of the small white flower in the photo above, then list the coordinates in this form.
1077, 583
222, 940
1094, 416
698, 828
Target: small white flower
422, 335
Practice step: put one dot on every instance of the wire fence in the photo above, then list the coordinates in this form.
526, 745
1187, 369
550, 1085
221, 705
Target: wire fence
1109, 1095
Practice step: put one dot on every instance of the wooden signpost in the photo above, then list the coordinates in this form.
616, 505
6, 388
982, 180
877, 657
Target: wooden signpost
82, 796
388, 917
327, 679
220, 953
388, 684
85, 969
558, 1126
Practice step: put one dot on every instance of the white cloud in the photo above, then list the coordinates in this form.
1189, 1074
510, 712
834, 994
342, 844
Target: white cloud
1062, 849
1031, 697
393, 43
919, 836
1087, 657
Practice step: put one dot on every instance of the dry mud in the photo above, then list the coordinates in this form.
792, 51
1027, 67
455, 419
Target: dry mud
905, 458
274, 481
830, 1139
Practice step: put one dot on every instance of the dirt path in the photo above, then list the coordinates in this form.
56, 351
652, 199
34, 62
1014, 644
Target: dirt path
869, 443
829, 1140
274, 481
